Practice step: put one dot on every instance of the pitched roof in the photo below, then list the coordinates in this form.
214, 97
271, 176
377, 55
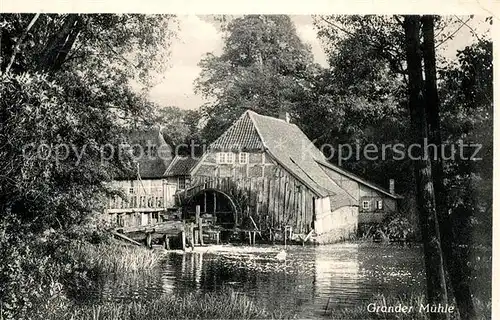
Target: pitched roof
291, 148
330, 166
241, 136
180, 166
150, 167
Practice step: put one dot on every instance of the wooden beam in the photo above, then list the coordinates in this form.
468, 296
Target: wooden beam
205, 202
183, 240
149, 239
166, 242
200, 224
215, 202
124, 237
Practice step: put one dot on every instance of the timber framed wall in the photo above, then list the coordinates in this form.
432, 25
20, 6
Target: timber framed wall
263, 189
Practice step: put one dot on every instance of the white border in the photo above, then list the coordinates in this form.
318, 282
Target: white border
457, 7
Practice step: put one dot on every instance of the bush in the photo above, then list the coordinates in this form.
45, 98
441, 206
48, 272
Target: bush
39, 272
394, 227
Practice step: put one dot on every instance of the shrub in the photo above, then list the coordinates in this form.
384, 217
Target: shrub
394, 227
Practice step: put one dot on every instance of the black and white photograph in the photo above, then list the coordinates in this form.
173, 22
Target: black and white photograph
246, 166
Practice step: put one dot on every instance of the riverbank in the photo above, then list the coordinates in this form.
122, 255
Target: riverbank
227, 305
66, 298
230, 305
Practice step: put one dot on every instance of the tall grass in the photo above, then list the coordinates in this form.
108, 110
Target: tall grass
117, 258
227, 305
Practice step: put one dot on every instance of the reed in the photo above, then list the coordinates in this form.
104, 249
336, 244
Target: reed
115, 259
227, 305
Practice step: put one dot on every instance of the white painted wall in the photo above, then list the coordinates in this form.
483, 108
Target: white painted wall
331, 226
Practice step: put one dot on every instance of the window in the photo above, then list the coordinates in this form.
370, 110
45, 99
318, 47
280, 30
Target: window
153, 151
366, 205
380, 205
225, 157
243, 157
181, 183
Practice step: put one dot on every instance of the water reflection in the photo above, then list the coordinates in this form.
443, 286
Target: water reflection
311, 277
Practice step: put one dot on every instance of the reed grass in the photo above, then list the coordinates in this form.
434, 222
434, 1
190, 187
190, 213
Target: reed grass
116, 259
227, 305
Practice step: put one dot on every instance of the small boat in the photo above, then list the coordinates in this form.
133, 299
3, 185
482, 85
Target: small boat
281, 255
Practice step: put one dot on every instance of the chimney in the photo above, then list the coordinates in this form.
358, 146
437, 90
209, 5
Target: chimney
283, 115
391, 186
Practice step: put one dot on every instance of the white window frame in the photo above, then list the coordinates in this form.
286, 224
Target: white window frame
365, 204
225, 157
380, 204
243, 157
179, 179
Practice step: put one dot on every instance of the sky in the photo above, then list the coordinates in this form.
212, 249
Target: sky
198, 35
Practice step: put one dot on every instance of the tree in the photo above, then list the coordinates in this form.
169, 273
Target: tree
360, 99
66, 66
452, 256
66, 100
434, 265
179, 127
262, 67
379, 40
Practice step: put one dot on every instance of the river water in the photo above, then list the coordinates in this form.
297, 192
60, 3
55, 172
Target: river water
309, 280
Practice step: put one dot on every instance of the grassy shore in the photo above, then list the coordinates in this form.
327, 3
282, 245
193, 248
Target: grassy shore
127, 262
117, 258
227, 305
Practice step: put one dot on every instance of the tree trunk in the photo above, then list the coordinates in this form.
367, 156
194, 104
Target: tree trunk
20, 41
434, 270
457, 271
60, 44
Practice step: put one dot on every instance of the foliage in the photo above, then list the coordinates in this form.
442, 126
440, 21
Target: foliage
262, 67
41, 185
66, 87
467, 101
126, 46
395, 227
38, 271
43, 273
365, 88
116, 259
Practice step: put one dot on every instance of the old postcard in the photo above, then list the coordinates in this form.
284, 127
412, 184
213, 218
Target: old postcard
246, 162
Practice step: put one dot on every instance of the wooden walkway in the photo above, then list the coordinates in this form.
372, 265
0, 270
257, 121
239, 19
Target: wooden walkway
186, 233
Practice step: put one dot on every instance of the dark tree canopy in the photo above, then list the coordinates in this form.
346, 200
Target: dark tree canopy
66, 80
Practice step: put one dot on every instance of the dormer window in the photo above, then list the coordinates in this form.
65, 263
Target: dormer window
225, 157
153, 151
243, 157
